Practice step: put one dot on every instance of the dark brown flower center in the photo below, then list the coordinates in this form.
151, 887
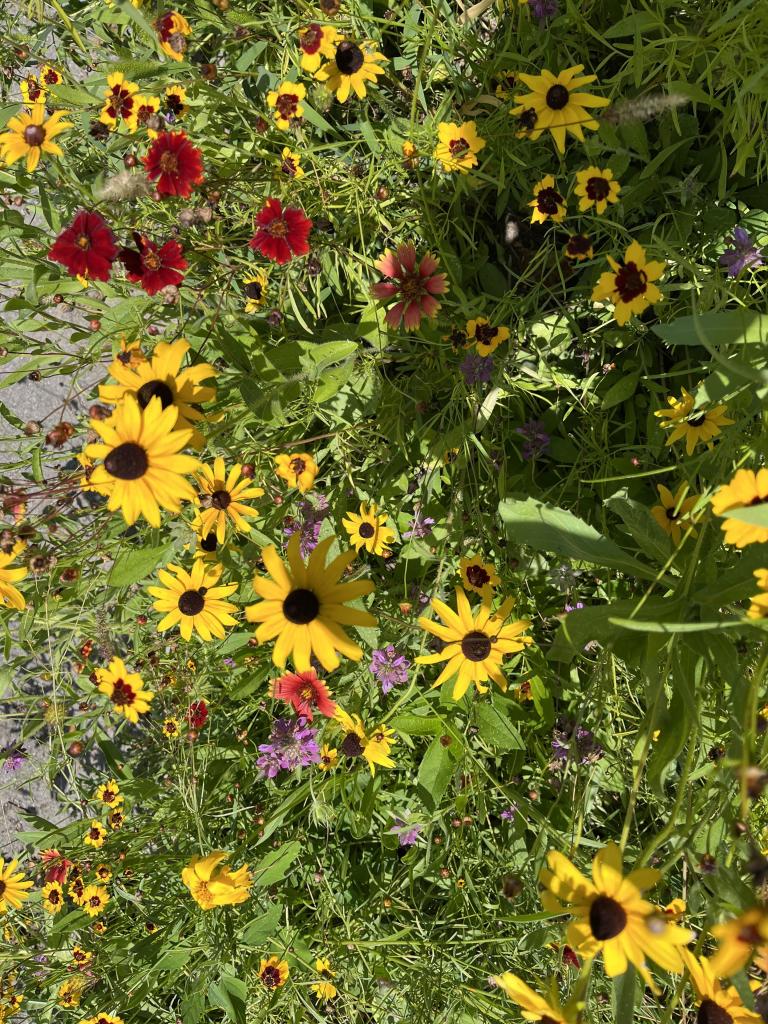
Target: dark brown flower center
485, 334
548, 200
221, 499
671, 514
108, 796
698, 420
173, 104
711, 1013
630, 282
298, 466
366, 531
192, 602
288, 166
579, 244
458, 147
54, 896
278, 228
3, 887
557, 97
476, 646
527, 119
351, 745
301, 606
477, 576
286, 105
271, 977
122, 693
94, 833
94, 901
169, 162
254, 290
208, 542
127, 462
607, 918
34, 135
349, 58
154, 389
598, 188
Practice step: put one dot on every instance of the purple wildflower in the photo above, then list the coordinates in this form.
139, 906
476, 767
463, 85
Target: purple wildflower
543, 10
536, 439
292, 745
417, 596
230, 662
509, 813
574, 742
389, 667
307, 523
420, 526
14, 759
743, 254
407, 832
476, 369
574, 607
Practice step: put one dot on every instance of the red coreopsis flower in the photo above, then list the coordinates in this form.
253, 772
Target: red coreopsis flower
197, 715
57, 866
154, 267
174, 163
415, 285
281, 233
304, 691
87, 247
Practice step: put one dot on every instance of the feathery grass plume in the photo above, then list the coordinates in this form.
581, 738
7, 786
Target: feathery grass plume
643, 108
124, 187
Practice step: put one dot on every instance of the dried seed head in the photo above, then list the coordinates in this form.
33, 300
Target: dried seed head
124, 187
643, 108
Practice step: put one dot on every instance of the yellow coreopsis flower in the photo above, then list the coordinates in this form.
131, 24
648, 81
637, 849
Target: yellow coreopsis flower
95, 835
125, 689
52, 895
273, 972
290, 164
317, 41
547, 202
286, 103
324, 989
483, 336
478, 576
109, 794
458, 146
596, 187
30, 134
298, 470
213, 884
629, 284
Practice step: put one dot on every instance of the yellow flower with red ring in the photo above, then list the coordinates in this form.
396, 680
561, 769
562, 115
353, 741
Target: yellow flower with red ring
629, 285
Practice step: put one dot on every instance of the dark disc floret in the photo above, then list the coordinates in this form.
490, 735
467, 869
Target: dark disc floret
476, 646
154, 389
607, 918
301, 606
127, 462
349, 58
192, 602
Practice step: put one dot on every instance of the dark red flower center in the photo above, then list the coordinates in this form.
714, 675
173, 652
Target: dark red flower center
477, 576
34, 135
598, 188
54, 896
298, 466
310, 38
33, 89
254, 290
94, 901
578, 244
485, 334
476, 646
221, 500
711, 1013
123, 695
154, 389
192, 602
630, 282
51, 77
349, 58
144, 113
94, 834
698, 420
458, 147
288, 166
557, 97
548, 200
607, 918
169, 162
671, 514
301, 606
173, 104
271, 977
286, 105
108, 796
127, 462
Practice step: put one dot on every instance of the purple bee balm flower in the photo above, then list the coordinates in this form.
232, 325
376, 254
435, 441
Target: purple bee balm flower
389, 667
407, 831
476, 369
543, 10
509, 813
292, 745
743, 254
307, 523
536, 439
14, 760
420, 526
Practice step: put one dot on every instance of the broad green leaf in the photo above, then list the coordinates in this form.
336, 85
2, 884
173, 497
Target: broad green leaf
625, 995
435, 773
262, 928
416, 725
716, 330
173, 959
229, 994
132, 566
755, 515
621, 391
644, 529
496, 729
274, 866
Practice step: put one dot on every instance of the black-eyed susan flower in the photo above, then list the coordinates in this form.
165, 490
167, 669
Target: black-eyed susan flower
81, 957
374, 745
475, 643
353, 65
52, 895
329, 758
673, 514
368, 529
290, 163
610, 915
457, 146
103, 872
145, 109
142, 468
119, 101
304, 607
324, 989
30, 134
596, 187
222, 497
557, 105
738, 939
534, 1007
116, 818
717, 1004
298, 470
547, 202
9, 595
194, 600
745, 490
273, 972
109, 794
697, 426
315, 42
286, 103
478, 576
162, 376
255, 288
629, 284
171, 728
213, 884
95, 835
70, 992
484, 336
173, 29
125, 689
579, 247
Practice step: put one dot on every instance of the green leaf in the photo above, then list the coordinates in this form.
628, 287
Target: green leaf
229, 994
638, 520
621, 391
496, 729
192, 1007
274, 867
548, 528
674, 729
74, 96
132, 566
262, 928
435, 773
172, 959
416, 725
755, 515
625, 995
716, 330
